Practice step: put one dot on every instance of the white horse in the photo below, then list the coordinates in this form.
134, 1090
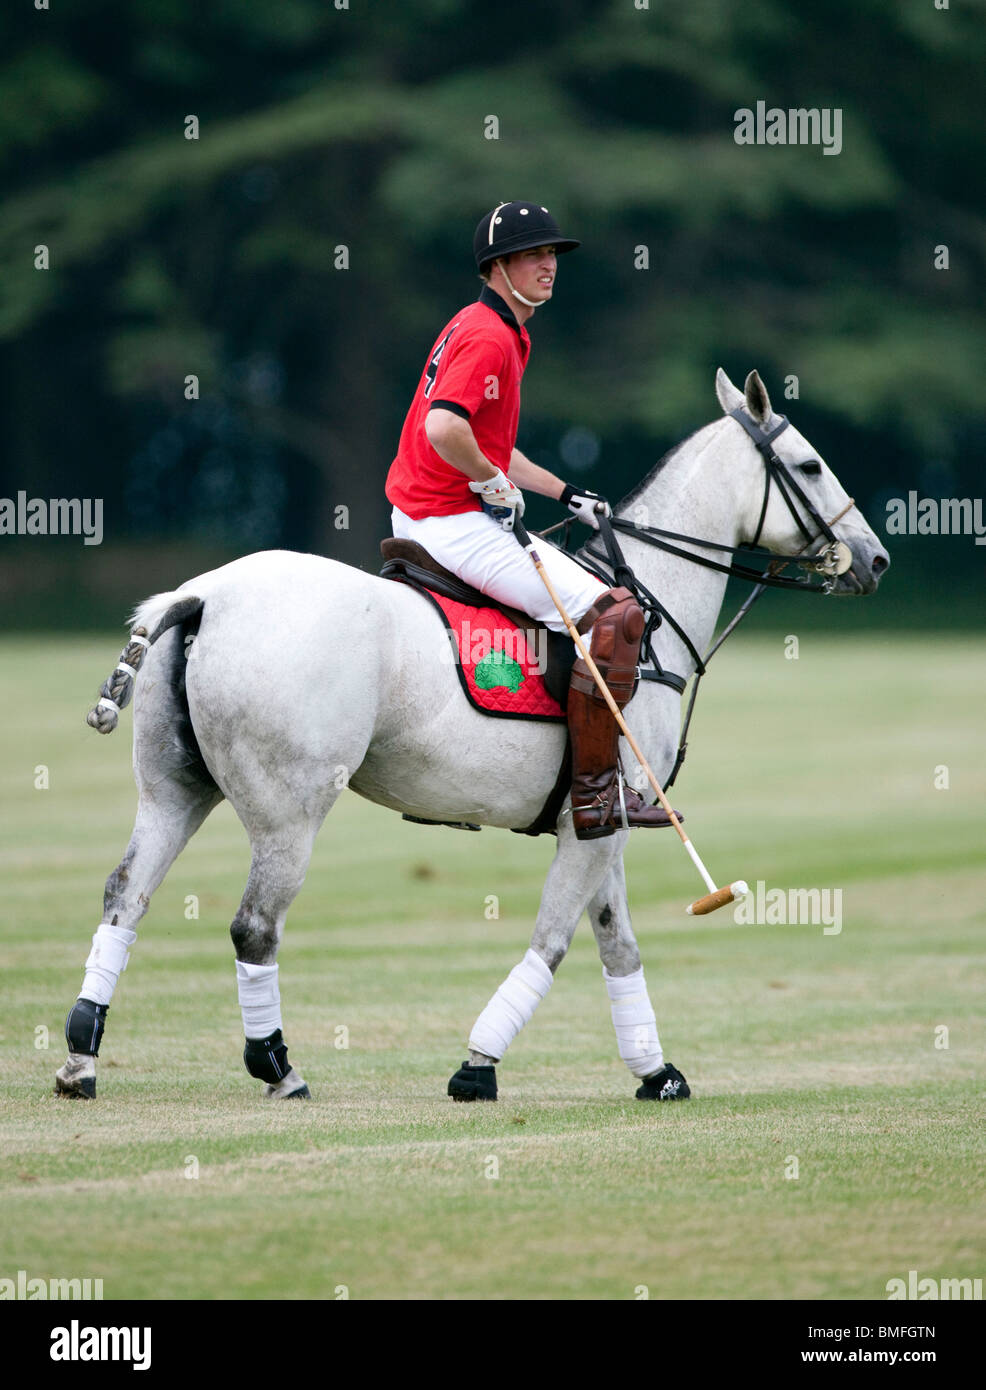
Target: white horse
302, 666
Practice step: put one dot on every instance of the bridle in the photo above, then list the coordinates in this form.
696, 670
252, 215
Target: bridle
830, 561
835, 557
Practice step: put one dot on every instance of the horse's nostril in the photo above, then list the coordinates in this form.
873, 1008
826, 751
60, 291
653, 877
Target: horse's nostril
880, 563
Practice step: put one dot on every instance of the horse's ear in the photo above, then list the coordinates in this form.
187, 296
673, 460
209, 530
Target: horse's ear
757, 400
729, 397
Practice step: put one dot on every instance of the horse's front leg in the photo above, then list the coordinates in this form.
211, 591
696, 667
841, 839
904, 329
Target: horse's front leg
576, 872
633, 1016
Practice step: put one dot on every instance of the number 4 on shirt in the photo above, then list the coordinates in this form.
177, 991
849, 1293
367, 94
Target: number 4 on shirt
431, 371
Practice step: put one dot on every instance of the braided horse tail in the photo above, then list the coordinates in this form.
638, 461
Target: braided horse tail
154, 617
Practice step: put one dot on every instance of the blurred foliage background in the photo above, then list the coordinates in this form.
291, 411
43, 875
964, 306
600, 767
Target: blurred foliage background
364, 127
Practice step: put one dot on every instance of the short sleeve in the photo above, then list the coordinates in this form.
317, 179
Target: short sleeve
469, 372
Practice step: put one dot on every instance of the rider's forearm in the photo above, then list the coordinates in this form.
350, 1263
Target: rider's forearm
452, 439
531, 477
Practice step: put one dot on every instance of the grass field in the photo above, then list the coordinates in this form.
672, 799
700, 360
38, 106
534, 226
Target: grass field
817, 772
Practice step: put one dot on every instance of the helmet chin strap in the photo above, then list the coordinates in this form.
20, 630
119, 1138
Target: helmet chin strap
531, 303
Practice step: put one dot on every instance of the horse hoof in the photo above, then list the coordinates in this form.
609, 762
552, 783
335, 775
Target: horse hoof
290, 1087
473, 1083
275, 1093
666, 1084
84, 1088
76, 1080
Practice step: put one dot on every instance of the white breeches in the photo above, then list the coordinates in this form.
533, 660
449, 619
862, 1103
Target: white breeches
478, 550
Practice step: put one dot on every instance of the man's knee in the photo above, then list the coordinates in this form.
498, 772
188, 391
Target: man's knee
615, 624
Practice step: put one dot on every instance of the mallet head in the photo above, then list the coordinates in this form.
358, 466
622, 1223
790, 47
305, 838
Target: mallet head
733, 892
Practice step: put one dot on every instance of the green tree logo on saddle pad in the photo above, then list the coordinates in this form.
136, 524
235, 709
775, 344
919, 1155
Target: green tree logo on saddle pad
495, 669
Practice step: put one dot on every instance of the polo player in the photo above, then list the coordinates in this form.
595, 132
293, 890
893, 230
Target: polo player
457, 485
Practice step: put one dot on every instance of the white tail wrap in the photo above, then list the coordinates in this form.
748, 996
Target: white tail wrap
106, 961
260, 999
511, 1007
634, 1022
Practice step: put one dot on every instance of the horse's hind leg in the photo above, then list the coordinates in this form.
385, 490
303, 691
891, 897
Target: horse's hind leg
633, 1017
168, 814
277, 872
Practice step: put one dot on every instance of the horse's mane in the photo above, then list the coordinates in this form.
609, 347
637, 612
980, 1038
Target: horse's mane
646, 481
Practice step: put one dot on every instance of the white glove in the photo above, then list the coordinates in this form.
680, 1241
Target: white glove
585, 505
500, 498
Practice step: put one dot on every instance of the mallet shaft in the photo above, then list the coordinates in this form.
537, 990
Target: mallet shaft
693, 852
604, 690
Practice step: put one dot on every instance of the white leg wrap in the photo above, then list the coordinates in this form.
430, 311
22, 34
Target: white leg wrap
260, 999
634, 1021
107, 960
511, 1007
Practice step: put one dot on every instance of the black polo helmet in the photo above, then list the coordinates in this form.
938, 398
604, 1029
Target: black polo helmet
514, 227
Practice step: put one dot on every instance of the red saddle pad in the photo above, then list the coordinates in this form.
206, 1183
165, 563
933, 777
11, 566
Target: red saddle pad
501, 666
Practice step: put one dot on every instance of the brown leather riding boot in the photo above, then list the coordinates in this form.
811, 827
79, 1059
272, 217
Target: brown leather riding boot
617, 625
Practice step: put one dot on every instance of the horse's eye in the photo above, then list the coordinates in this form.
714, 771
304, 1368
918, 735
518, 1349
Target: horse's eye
813, 469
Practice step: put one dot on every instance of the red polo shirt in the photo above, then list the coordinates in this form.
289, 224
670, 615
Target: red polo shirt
473, 369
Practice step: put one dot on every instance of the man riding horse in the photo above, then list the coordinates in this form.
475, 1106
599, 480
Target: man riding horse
456, 488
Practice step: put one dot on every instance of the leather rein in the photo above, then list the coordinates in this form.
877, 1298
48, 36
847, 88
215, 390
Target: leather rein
831, 560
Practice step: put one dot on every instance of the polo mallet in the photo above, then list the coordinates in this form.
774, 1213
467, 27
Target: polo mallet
716, 897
